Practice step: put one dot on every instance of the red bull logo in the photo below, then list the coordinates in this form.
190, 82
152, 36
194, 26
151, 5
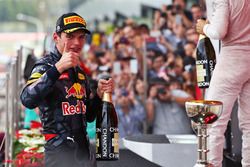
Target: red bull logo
73, 109
76, 91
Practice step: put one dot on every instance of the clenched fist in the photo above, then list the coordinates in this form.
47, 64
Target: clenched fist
68, 60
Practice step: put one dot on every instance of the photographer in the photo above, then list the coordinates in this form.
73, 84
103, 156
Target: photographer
166, 114
130, 112
182, 16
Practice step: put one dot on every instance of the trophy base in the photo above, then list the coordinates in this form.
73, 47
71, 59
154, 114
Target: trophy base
203, 165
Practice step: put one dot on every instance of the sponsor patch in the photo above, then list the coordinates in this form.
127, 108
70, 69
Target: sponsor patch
79, 108
36, 75
74, 19
76, 90
81, 76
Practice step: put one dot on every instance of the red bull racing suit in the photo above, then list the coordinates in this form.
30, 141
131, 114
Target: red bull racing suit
66, 103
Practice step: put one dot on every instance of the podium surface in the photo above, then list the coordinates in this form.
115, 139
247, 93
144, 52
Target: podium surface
165, 150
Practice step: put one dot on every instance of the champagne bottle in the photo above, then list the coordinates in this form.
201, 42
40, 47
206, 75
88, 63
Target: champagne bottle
107, 136
205, 61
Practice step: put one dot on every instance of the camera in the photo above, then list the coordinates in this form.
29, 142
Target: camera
124, 92
169, 7
178, 8
161, 91
163, 14
189, 68
99, 54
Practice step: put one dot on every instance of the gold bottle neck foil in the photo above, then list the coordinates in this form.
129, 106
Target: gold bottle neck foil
107, 97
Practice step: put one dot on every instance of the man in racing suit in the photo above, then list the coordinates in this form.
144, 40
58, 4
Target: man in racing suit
59, 87
231, 77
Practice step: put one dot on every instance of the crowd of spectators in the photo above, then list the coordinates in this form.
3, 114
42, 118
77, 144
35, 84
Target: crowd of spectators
153, 68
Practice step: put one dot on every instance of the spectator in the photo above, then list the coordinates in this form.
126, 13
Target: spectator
157, 66
130, 112
139, 90
170, 45
196, 12
192, 36
189, 59
178, 93
179, 9
177, 69
152, 93
167, 115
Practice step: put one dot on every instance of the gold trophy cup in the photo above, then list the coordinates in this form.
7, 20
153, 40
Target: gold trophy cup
203, 113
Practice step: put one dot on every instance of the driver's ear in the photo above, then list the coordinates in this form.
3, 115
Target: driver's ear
56, 37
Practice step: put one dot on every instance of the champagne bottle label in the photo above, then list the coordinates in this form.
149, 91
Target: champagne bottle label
115, 143
212, 66
205, 61
104, 140
107, 143
97, 144
202, 73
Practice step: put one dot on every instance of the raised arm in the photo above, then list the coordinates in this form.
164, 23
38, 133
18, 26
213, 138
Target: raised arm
39, 84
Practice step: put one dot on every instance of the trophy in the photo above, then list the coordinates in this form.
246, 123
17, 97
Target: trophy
203, 113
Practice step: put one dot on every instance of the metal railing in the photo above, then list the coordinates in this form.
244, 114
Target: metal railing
13, 84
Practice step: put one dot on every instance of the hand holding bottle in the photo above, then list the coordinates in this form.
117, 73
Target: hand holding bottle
105, 86
200, 25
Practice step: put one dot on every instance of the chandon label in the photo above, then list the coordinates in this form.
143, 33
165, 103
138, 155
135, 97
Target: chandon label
104, 143
211, 65
203, 84
107, 143
201, 61
201, 73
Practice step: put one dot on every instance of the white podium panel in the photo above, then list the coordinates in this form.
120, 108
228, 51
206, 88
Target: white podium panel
165, 150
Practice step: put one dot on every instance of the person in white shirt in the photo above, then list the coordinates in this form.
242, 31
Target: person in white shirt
231, 77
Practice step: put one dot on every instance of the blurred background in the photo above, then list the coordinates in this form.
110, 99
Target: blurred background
29, 22
141, 38
148, 47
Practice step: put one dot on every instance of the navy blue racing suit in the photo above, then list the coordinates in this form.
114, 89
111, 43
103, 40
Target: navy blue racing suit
66, 103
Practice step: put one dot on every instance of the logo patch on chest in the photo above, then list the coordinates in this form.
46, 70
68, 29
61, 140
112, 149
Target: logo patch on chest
79, 108
76, 90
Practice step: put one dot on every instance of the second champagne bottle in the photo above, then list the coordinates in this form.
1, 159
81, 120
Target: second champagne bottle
205, 61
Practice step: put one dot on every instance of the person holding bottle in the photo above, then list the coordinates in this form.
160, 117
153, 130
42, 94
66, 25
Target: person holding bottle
60, 88
231, 77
